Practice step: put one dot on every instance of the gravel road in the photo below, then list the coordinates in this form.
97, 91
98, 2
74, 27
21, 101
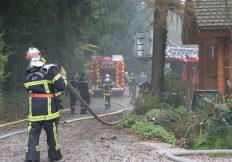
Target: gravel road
90, 141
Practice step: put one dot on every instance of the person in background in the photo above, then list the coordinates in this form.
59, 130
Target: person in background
107, 85
130, 79
142, 78
74, 82
126, 78
85, 91
133, 89
42, 81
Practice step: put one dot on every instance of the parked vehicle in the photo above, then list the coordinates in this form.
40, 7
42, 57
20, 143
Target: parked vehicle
114, 66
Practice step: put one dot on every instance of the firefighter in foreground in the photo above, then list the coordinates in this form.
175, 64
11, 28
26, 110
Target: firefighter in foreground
43, 84
107, 85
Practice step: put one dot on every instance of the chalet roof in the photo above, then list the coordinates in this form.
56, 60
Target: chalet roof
213, 14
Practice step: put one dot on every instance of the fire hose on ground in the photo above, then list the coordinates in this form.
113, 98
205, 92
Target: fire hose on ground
77, 95
171, 155
174, 155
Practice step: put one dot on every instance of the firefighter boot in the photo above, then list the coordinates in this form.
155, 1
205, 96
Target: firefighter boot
109, 105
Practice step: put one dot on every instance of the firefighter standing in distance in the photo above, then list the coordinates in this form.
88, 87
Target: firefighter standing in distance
42, 81
83, 86
107, 85
132, 87
74, 82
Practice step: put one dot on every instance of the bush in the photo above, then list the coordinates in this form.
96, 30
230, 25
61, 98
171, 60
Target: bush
1, 103
144, 103
174, 90
150, 130
16, 104
127, 122
218, 134
163, 106
173, 119
147, 129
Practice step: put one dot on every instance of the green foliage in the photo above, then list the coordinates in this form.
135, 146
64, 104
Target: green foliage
1, 103
144, 103
174, 90
150, 130
68, 32
15, 106
163, 105
211, 127
147, 129
127, 122
229, 103
169, 114
218, 134
173, 119
200, 143
4, 54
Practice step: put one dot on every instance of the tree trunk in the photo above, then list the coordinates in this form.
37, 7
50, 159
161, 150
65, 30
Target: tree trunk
158, 59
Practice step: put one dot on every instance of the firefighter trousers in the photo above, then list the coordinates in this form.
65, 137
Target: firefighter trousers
107, 101
72, 103
34, 131
86, 98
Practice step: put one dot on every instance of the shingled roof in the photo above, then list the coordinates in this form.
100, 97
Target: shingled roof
213, 14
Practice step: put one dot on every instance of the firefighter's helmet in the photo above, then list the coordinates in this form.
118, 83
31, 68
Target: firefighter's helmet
107, 77
34, 55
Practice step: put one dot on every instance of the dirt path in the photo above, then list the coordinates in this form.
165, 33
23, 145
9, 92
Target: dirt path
90, 141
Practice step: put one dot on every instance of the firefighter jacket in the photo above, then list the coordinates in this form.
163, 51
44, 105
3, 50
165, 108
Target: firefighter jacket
107, 85
43, 85
83, 85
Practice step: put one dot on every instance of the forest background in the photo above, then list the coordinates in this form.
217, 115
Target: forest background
68, 33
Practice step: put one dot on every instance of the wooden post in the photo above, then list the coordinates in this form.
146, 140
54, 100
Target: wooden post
230, 62
221, 66
201, 64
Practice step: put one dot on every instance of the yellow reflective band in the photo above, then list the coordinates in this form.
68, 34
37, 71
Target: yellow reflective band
43, 60
56, 136
26, 148
58, 94
37, 148
49, 106
52, 116
36, 83
65, 82
46, 88
30, 106
56, 78
43, 117
28, 132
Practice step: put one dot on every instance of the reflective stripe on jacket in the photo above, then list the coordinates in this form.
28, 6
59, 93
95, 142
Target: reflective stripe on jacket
107, 85
43, 87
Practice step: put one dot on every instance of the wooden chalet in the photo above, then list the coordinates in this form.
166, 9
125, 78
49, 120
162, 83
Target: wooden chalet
211, 30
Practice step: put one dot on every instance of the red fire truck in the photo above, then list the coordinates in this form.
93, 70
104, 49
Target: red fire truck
114, 66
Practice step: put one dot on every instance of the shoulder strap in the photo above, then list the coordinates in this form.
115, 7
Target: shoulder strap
47, 67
